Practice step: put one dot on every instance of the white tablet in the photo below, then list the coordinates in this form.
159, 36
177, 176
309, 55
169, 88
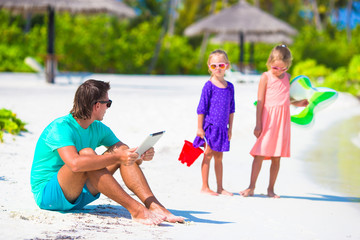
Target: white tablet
149, 142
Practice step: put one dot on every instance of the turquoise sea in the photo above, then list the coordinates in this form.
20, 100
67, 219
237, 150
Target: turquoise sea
335, 162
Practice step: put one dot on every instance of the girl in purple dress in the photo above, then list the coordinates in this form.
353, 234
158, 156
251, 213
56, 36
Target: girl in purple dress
215, 119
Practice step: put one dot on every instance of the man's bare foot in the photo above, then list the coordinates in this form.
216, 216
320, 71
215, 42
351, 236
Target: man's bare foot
247, 192
271, 194
209, 191
146, 217
166, 214
224, 192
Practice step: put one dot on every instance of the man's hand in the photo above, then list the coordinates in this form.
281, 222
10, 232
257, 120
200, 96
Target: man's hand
148, 155
130, 157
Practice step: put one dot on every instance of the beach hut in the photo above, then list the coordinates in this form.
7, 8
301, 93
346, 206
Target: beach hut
74, 6
241, 20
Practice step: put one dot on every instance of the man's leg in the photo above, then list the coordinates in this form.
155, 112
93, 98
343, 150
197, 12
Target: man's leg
71, 183
135, 180
103, 181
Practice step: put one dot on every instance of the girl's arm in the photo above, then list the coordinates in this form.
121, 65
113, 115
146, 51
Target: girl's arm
260, 104
299, 103
200, 130
231, 119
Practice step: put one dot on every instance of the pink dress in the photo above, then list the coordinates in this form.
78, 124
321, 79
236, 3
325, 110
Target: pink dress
274, 140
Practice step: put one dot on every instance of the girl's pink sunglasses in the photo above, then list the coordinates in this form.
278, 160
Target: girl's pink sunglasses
280, 69
213, 66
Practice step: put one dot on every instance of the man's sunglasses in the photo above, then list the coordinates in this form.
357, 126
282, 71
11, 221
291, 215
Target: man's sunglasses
213, 66
108, 103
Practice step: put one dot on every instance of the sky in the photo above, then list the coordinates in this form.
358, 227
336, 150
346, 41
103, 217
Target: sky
342, 17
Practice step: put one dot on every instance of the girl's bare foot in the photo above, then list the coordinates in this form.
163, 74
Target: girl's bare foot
224, 192
247, 192
209, 191
271, 194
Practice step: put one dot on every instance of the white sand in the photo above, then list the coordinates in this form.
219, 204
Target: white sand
143, 104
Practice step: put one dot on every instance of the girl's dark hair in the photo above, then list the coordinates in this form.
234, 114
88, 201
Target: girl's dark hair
86, 96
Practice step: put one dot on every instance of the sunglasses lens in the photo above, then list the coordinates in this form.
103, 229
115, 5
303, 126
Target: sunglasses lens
222, 65
213, 66
280, 69
109, 104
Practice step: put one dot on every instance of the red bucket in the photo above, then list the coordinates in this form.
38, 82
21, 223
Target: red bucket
189, 153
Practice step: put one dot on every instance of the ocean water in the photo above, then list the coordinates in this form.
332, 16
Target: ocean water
335, 162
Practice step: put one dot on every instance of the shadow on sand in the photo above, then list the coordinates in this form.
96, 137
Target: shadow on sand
121, 212
327, 198
316, 197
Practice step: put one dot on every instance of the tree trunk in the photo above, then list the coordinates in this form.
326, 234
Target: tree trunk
51, 63
316, 15
172, 16
160, 41
348, 20
205, 38
331, 9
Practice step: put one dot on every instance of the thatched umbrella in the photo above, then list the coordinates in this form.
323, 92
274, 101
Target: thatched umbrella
241, 19
254, 38
74, 6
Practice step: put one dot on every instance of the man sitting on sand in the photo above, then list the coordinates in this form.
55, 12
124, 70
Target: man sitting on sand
67, 174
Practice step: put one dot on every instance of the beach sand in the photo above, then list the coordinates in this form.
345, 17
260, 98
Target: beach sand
145, 104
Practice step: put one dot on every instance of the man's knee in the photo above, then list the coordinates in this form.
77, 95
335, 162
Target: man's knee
87, 151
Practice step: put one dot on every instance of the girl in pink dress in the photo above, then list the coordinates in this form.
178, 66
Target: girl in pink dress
272, 128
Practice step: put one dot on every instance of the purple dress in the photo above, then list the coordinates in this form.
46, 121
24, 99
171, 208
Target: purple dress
216, 104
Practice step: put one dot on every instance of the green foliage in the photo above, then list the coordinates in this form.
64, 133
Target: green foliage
345, 79
176, 56
339, 80
354, 68
15, 45
10, 123
310, 68
134, 50
105, 44
327, 50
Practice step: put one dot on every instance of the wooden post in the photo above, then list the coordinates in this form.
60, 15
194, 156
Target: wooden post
50, 58
241, 57
251, 59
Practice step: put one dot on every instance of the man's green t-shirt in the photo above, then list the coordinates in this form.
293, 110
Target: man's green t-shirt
62, 132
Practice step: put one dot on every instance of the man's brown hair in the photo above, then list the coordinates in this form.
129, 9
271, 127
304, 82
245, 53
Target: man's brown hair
86, 96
